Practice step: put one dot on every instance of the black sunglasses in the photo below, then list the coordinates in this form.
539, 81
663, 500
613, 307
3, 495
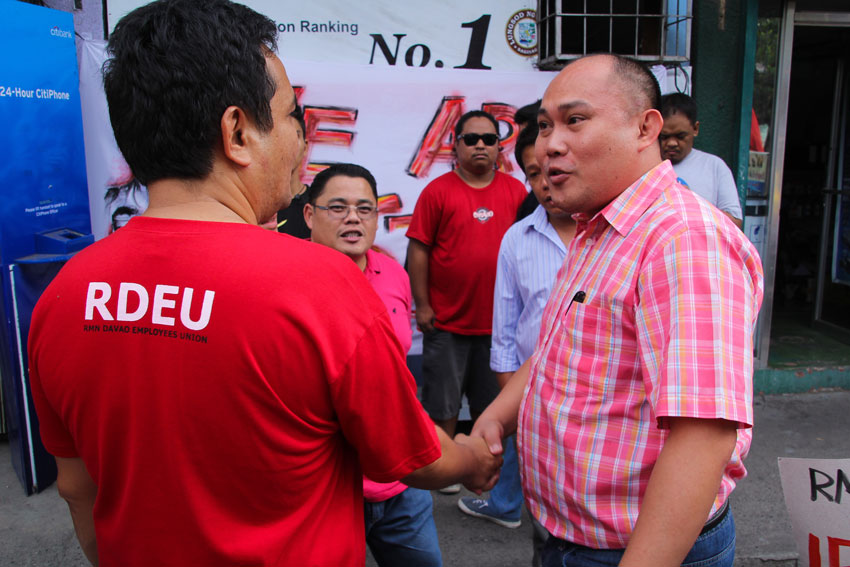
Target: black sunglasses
472, 139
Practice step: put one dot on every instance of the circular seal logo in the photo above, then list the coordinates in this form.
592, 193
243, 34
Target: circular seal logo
482, 215
521, 32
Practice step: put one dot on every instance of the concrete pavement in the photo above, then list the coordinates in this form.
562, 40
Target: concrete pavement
37, 531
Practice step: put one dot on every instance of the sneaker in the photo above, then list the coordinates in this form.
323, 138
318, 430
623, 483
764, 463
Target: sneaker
480, 508
450, 489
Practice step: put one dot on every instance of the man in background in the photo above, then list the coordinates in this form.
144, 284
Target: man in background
342, 213
291, 219
705, 174
530, 256
211, 412
457, 225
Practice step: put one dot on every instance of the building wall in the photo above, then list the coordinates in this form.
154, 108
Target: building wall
88, 19
718, 49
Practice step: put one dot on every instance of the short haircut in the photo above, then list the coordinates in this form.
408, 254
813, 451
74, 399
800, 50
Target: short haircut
475, 114
681, 103
639, 82
528, 113
525, 139
175, 66
345, 169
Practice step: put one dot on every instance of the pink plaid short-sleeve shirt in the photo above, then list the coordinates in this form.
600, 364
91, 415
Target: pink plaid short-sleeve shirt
651, 317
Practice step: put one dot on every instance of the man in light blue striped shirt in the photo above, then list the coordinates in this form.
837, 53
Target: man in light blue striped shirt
530, 256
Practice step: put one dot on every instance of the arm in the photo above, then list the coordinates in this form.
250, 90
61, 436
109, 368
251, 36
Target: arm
738, 222
507, 308
463, 459
503, 378
76, 486
417, 266
681, 490
500, 418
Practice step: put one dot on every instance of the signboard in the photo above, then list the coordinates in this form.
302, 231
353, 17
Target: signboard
498, 35
398, 123
817, 495
44, 210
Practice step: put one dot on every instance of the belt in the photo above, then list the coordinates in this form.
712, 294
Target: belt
716, 519
710, 525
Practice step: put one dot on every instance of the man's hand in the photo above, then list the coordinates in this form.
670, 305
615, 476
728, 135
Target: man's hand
484, 473
491, 432
425, 318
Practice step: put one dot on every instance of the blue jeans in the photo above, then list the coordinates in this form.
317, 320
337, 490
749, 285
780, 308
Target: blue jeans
506, 496
401, 530
715, 548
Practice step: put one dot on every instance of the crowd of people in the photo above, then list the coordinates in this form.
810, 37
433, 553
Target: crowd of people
600, 326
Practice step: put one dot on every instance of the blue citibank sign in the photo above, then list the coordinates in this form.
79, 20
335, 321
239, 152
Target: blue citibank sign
44, 206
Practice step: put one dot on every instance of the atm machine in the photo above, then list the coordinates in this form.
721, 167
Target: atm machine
44, 206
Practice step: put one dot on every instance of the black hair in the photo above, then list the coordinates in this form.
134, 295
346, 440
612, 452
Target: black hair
475, 114
526, 138
175, 66
681, 103
641, 80
346, 169
528, 113
527, 206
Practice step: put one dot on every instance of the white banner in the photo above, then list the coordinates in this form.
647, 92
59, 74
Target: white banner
114, 195
395, 122
435, 34
817, 495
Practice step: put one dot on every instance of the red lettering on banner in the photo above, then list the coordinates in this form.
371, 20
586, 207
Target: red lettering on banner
315, 115
436, 145
504, 113
397, 222
389, 203
833, 544
814, 551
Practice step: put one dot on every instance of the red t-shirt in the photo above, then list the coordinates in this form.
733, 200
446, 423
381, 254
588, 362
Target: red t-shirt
223, 396
464, 226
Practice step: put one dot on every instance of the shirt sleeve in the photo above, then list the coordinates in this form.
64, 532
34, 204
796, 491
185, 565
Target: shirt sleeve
426, 217
699, 298
375, 401
507, 307
727, 191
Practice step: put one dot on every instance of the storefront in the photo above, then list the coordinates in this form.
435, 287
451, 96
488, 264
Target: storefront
798, 195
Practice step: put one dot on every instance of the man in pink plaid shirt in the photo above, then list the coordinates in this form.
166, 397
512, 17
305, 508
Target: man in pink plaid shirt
634, 412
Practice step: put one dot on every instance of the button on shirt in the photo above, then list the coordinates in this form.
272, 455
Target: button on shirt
671, 294
529, 259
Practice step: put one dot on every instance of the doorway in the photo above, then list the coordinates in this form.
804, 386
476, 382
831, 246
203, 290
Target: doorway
811, 300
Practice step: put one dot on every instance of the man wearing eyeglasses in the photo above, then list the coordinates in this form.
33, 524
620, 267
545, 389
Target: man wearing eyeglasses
342, 213
457, 226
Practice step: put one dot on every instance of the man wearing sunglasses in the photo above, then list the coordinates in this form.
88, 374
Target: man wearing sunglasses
457, 226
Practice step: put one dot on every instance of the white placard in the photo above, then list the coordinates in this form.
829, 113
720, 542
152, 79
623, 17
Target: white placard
817, 495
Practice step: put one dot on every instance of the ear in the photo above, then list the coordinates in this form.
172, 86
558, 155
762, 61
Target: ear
236, 132
308, 215
696, 129
650, 125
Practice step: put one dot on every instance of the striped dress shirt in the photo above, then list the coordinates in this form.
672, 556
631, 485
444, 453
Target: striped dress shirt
652, 317
529, 259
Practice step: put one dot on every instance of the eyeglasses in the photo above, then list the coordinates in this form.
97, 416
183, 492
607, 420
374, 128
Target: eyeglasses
472, 139
340, 212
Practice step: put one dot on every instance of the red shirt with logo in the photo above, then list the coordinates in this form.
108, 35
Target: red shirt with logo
463, 226
226, 387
